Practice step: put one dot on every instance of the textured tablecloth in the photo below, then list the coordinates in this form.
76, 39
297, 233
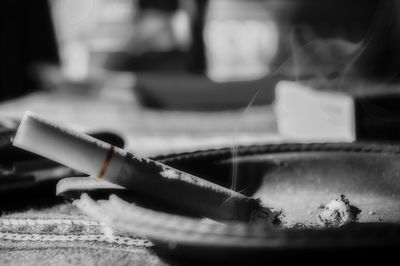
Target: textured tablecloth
61, 235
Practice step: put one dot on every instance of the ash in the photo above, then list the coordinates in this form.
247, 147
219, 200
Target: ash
338, 212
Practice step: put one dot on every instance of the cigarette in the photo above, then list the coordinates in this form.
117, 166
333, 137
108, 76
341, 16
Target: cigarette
146, 177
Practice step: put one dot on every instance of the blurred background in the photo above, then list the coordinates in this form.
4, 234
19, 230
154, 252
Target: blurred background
167, 76
173, 75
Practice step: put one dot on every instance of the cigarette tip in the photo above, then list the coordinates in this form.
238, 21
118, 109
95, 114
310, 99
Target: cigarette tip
20, 139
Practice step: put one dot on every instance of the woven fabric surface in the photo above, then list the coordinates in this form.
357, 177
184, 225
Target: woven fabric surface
61, 235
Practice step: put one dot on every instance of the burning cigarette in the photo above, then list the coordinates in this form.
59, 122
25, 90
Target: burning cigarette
143, 176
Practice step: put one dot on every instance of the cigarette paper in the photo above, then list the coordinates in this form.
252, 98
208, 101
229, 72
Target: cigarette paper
78, 151
145, 177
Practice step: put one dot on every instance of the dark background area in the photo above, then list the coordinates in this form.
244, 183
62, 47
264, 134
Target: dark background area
27, 37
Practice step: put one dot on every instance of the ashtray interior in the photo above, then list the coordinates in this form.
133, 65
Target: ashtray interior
299, 183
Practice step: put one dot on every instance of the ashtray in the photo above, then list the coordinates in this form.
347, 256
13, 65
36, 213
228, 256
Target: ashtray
294, 178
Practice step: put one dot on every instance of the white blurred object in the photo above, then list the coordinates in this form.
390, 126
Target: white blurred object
86, 29
305, 113
181, 28
75, 61
241, 40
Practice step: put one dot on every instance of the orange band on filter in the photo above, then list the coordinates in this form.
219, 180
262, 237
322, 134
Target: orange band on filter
106, 162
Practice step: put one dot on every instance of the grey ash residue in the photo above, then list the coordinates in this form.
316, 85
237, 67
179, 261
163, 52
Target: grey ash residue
338, 212
266, 216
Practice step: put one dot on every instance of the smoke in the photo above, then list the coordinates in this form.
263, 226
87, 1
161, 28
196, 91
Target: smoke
340, 59
314, 57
